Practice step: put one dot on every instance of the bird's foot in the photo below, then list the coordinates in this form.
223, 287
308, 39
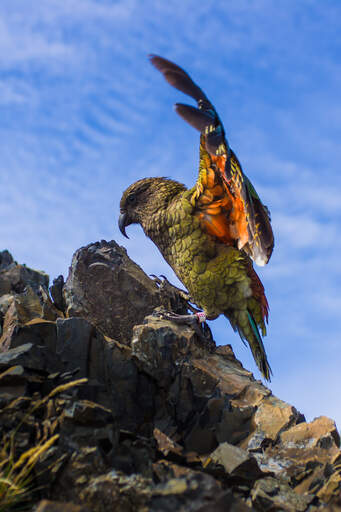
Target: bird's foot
197, 321
192, 320
174, 291
163, 283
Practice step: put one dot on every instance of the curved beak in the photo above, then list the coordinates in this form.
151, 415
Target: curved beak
123, 221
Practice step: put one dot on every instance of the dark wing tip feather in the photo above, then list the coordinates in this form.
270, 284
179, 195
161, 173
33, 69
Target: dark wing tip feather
259, 222
195, 117
265, 229
164, 64
177, 77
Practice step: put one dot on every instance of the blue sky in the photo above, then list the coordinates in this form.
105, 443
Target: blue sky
83, 114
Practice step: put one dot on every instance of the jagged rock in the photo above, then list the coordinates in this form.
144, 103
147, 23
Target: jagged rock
321, 432
10, 321
15, 278
304, 455
158, 344
166, 421
271, 418
213, 498
109, 290
188, 491
56, 291
167, 445
89, 413
74, 337
5, 302
330, 492
114, 380
58, 506
24, 308
13, 384
271, 494
42, 334
225, 501
49, 310
236, 462
6, 260
116, 491
31, 356
84, 464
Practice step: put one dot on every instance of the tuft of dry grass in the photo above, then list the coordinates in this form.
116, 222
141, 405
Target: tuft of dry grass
17, 473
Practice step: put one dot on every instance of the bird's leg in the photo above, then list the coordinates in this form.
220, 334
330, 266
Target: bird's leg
193, 320
197, 321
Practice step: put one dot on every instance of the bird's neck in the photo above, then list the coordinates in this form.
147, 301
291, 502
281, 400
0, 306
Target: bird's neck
162, 195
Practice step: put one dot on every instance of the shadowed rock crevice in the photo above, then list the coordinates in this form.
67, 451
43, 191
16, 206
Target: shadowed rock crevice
162, 420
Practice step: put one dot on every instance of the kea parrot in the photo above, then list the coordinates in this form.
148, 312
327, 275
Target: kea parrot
210, 233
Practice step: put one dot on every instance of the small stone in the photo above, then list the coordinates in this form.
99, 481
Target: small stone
235, 461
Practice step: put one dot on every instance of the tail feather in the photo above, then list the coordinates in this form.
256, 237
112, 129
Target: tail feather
252, 336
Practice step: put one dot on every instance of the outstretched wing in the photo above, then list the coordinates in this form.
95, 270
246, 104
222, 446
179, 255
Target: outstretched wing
237, 216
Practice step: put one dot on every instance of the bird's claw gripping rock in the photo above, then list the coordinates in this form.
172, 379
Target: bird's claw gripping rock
197, 321
163, 284
191, 320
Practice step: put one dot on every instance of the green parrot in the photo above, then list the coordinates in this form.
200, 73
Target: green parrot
204, 232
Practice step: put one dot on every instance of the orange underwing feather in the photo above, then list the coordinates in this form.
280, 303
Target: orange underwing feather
247, 223
221, 212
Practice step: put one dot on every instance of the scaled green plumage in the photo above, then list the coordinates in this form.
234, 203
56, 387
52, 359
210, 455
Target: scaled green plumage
208, 233
219, 278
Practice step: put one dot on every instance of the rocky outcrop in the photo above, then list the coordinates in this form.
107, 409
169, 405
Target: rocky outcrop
140, 413
113, 293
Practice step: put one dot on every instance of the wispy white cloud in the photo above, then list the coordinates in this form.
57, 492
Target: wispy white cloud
303, 231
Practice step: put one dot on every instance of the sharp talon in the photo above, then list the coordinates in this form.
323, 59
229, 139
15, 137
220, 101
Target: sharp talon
163, 283
156, 279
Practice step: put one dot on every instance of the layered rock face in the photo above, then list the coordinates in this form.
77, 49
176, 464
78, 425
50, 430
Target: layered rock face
138, 414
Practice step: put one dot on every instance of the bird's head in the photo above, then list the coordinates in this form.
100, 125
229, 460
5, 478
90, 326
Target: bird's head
144, 198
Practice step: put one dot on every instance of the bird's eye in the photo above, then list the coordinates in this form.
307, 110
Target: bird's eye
131, 199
